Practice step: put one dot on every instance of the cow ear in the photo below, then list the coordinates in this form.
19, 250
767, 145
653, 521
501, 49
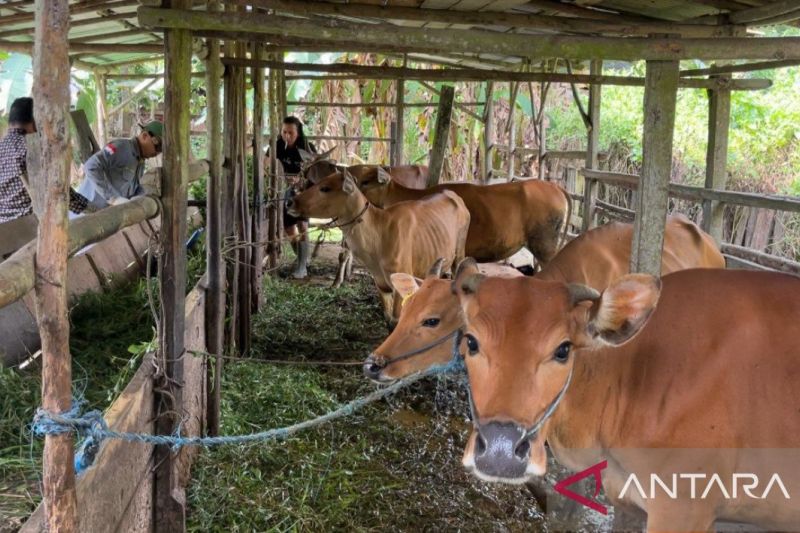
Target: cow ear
349, 184
383, 176
404, 284
305, 156
468, 278
624, 308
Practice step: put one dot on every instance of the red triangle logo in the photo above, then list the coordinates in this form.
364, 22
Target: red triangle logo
595, 472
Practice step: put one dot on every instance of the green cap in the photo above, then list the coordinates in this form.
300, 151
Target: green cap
154, 127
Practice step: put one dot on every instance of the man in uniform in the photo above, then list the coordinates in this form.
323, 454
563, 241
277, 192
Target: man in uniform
111, 176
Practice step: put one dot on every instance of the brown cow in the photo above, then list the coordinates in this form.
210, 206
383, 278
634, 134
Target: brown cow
505, 217
317, 166
595, 258
406, 237
706, 390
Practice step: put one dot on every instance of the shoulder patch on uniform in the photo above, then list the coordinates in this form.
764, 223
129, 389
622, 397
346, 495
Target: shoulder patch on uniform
110, 148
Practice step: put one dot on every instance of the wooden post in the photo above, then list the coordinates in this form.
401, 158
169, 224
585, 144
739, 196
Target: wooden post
488, 132
399, 121
231, 161
544, 87
259, 214
593, 140
215, 294
100, 108
274, 209
660, 95
512, 130
51, 108
719, 116
243, 222
169, 501
442, 134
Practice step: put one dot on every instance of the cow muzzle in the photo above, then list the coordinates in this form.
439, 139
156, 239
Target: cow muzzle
502, 452
373, 369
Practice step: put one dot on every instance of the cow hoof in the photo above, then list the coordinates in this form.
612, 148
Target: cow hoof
300, 274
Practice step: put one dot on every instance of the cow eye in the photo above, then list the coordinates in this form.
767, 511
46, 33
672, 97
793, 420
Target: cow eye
562, 352
431, 322
325, 189
472, 344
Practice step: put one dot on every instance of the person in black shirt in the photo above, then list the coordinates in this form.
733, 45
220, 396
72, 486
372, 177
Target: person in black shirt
293, 140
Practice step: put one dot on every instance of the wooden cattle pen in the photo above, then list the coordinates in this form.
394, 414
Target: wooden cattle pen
241, 42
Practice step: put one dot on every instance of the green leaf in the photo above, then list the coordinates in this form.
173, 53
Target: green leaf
16, 79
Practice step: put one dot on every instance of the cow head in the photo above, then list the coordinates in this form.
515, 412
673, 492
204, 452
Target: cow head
334, 196
374, 182
521, 338
429, 318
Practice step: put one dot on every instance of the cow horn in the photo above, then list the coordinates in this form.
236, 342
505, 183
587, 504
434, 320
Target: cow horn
581, 293
436, 269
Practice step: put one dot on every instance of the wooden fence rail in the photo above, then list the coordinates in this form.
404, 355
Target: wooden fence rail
739, 256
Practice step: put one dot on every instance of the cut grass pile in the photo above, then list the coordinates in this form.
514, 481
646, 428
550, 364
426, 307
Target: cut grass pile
103, 328
393, 466
109, 333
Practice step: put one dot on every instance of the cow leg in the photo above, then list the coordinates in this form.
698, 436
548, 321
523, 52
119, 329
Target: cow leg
388, 301
345, 258
348, 267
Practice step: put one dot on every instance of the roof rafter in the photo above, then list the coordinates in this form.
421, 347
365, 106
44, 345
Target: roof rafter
533, 46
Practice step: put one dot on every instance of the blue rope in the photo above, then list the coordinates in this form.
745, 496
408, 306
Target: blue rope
94, 427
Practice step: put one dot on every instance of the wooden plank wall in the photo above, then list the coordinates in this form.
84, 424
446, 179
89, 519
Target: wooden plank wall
116, 493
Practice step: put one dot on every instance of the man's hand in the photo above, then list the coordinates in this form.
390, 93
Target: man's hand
117, 200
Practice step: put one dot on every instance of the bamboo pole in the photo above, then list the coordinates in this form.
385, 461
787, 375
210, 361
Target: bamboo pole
102, 116
592, 145
473, 74
576, 47
215, 266
659, 122
442, 135
78, 47
17, 273
169, 513
51, 108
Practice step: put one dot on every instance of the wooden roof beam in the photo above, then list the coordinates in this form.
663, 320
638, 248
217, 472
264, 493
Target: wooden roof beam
384, 72
495, 18
113, 35
27, 47
745, 67
533, 46
73, 24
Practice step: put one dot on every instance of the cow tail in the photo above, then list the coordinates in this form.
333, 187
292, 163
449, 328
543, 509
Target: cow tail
565, 229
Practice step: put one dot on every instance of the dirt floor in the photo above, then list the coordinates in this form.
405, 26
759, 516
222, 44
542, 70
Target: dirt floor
393, 466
